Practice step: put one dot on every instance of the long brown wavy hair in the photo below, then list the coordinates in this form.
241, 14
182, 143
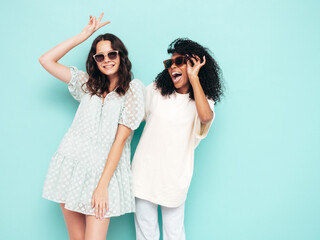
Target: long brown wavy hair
98, 83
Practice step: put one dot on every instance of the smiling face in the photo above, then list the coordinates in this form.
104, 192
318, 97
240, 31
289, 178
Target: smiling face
107, 66
179, 76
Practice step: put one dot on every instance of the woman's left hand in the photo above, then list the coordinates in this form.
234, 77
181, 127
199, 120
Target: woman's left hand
193, 71
99, 201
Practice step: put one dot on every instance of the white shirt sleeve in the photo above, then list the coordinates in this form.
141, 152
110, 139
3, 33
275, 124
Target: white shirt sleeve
149, 92
201, 130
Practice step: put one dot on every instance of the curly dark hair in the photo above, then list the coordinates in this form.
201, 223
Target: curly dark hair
209, 74
99, 83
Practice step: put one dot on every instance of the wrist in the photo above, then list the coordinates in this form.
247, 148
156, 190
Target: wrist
103, 183
81, 37
102, 186
194, 80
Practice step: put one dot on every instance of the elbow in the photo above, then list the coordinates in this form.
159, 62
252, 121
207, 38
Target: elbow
122, 135
42, 60
121, 140
206, 118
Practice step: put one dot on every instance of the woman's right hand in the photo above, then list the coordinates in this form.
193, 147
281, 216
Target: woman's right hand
93, 25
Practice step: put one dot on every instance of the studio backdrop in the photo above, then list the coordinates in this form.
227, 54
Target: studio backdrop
256, 175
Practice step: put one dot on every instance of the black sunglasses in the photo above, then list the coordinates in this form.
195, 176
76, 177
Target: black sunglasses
112, 55
178, 61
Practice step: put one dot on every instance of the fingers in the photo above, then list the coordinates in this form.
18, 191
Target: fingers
99, 201
196, 60
90, 20
96, 210
99, 19
101, 209
92, 202
94, 21
203, 62
104, 209
189, 63
193, 59
104, 23
99, 25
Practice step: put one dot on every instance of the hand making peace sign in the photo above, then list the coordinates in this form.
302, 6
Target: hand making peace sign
93, 25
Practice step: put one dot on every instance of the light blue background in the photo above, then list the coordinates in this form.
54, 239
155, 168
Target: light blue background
256, 175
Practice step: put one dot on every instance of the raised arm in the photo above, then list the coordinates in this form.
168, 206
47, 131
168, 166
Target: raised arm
203, 108
50, 59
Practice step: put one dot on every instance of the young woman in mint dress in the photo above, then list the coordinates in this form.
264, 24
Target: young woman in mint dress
89, 175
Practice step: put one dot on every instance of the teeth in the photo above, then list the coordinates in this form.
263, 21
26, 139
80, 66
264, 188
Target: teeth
108, 66
175, 74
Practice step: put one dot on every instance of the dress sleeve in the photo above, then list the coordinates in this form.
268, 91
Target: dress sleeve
78, 78
201, 130
133, 108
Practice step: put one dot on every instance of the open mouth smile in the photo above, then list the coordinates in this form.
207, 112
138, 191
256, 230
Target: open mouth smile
176, 76
108, 66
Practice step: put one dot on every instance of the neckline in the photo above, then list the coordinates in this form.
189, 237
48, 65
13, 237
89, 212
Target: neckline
181, 94
104, 98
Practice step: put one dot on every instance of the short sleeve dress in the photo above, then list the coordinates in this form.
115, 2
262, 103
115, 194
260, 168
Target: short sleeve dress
77, 165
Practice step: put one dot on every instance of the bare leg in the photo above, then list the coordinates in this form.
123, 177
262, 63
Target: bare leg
76, 223
96, 229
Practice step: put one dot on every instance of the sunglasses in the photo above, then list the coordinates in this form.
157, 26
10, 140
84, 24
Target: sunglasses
112, 55
178, 61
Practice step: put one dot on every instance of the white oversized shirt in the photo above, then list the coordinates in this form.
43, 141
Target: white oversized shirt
162, 166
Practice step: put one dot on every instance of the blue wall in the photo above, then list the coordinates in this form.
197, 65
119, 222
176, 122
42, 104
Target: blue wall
256, 174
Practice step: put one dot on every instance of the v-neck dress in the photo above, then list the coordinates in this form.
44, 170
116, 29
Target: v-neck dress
77, 165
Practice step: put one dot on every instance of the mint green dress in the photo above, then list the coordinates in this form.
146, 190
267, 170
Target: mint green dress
77, 165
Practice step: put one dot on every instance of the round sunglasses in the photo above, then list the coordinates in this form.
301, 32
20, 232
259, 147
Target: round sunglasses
112, 55
178, 61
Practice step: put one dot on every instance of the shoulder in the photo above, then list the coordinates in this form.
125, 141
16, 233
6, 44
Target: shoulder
152, 88
76, 73
136, 86
136, 83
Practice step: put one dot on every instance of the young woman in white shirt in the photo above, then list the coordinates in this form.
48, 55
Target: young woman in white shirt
179, 112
